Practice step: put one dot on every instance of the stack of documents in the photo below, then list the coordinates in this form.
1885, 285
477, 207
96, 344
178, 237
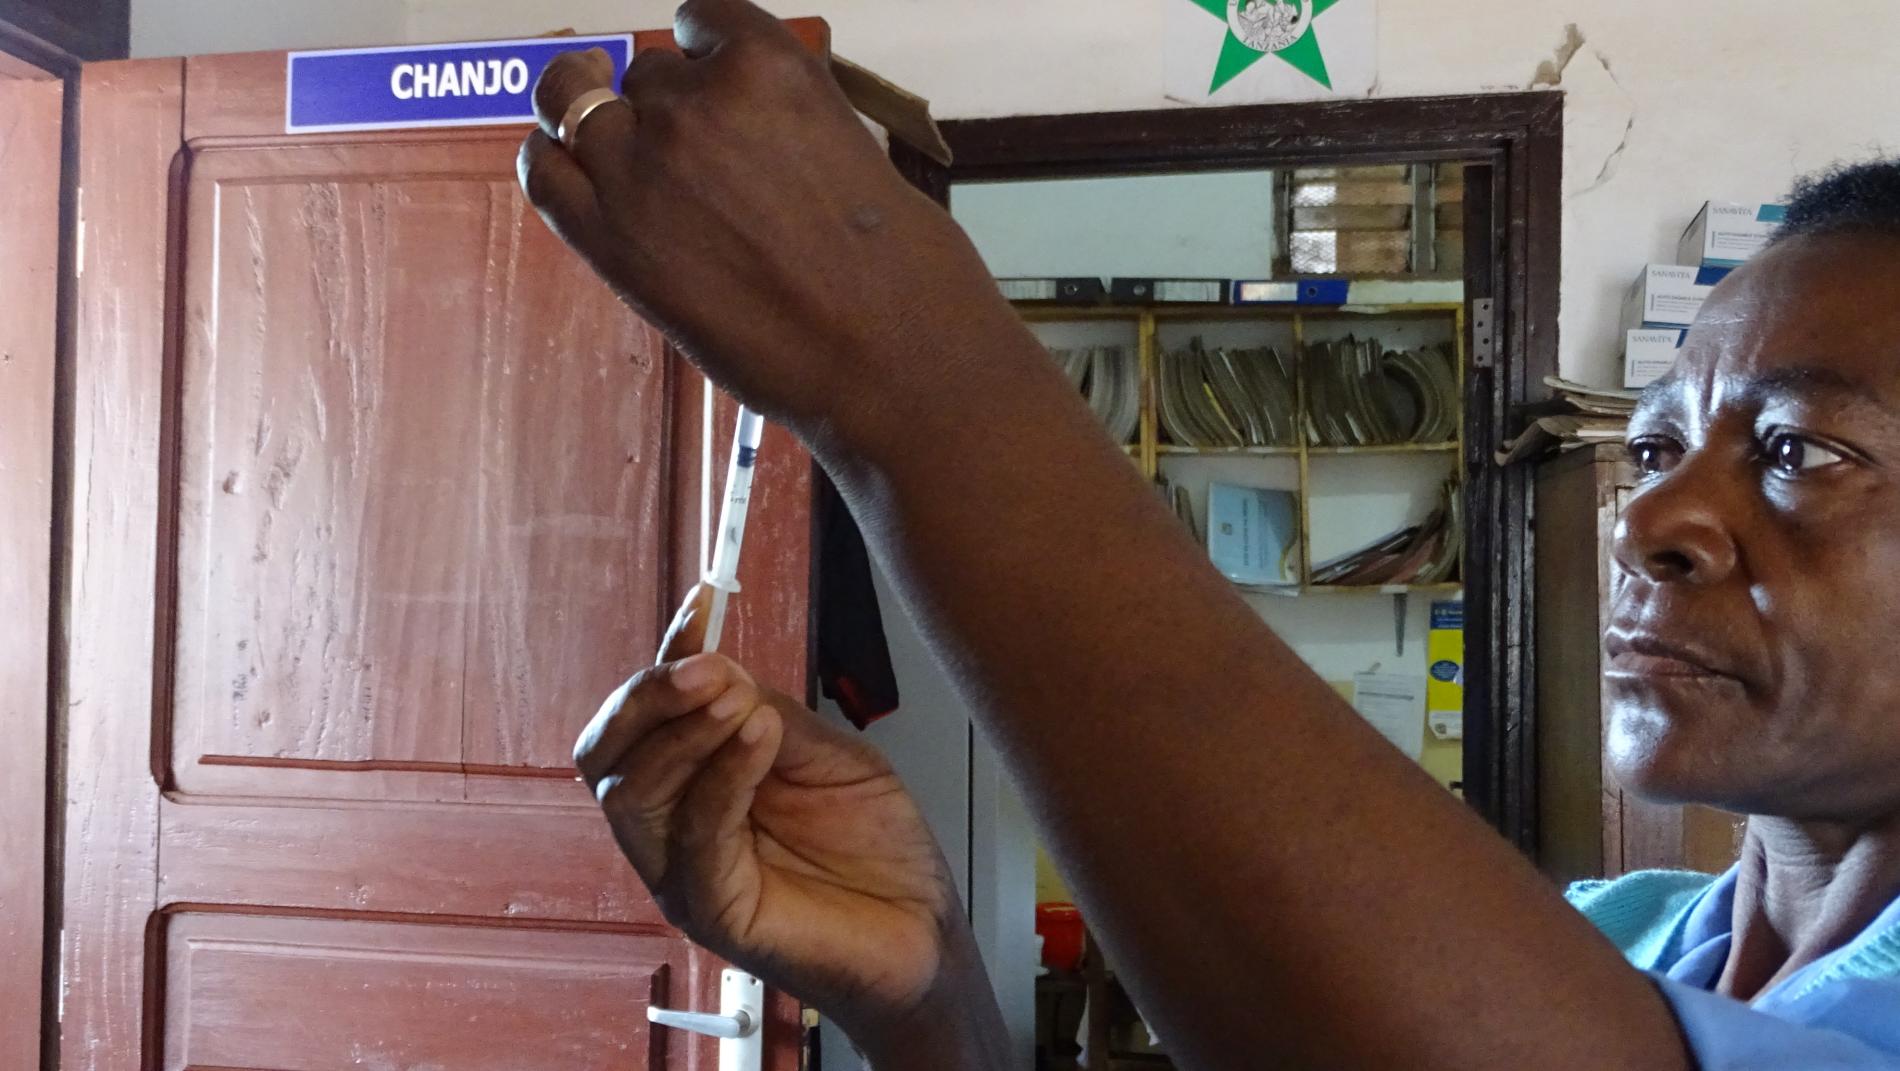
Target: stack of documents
1600, 401
1422, 386
1585, 416
1360, 394
1565, 431
1427, 553
1182, 502
1075, 365
1226, 398
1110, 378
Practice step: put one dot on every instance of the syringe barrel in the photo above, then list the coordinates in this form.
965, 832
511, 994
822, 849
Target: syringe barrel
732, 519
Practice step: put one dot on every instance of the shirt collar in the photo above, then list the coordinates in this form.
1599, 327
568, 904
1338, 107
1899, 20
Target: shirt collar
1701, 949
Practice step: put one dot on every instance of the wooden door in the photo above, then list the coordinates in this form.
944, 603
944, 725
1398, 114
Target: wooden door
377, 493
1590, 827
31, 104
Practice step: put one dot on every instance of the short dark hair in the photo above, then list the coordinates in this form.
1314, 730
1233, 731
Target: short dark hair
1846, 197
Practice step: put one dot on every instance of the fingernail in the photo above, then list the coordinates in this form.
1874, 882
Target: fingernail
696, 674
754, 730
729, 706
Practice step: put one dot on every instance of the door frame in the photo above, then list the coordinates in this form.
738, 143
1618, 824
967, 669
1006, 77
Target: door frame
59, 43
39, 47
1520, 136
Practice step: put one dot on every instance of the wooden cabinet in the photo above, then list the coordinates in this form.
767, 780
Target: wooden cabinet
82, 29
1589, 827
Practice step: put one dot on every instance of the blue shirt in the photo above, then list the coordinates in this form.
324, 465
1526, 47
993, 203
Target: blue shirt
1840, 1013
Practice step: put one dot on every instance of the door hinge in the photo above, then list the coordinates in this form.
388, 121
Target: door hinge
1484, 337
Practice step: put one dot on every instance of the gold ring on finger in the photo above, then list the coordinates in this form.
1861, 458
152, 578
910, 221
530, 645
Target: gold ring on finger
577, 114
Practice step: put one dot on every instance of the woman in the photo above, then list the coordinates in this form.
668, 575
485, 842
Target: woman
1280, 887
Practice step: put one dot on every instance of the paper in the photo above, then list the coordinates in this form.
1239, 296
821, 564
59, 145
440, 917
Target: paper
1427, 553
1110, 378
1358, 393
1252, 534
1395, 705
1219, 398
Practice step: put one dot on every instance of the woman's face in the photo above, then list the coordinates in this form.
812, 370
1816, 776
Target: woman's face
1753, 653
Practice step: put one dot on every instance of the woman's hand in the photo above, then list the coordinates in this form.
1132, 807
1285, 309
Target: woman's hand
737, 201
778, 842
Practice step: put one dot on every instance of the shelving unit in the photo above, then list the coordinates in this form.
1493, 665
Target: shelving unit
1293, 325
1317, 617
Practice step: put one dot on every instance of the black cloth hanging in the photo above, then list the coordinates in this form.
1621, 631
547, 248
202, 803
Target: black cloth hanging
854, 658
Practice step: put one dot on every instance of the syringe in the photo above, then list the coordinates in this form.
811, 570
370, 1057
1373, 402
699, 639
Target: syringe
723, 577
701, 621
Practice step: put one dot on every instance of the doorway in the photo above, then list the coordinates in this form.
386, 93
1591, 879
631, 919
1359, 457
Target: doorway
1122, 237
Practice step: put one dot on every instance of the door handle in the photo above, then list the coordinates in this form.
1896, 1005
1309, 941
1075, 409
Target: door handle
739, 1026
728, 1027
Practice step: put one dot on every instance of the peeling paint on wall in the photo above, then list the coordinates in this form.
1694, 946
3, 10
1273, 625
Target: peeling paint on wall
1550, 73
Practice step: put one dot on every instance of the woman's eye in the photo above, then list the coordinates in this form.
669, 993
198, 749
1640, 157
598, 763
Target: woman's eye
1792, 455
1652, 457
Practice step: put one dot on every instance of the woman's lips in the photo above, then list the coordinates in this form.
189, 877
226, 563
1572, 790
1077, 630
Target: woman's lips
1641, 665
1648, 657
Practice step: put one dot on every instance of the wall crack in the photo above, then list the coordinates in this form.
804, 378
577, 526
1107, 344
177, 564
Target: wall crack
1588, 86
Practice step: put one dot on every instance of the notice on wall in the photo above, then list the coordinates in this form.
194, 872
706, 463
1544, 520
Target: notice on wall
1259, 51
488, 83
1395, 705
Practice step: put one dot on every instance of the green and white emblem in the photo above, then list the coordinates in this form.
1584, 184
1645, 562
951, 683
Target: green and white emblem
1269, 25
1257, 29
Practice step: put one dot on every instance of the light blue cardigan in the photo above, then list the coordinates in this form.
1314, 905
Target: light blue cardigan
1841, 1013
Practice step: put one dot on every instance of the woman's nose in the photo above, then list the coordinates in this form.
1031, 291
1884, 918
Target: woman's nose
1677, 530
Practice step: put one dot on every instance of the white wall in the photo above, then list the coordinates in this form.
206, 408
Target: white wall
1210, 226
184, 27
1669, 103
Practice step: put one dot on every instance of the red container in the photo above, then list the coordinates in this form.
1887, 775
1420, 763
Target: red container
1060, 926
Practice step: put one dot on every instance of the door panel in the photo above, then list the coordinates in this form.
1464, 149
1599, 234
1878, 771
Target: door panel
408, 996
383, 491
343, 505
496, 861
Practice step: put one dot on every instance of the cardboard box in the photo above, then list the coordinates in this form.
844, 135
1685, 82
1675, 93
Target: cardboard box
1725, 234
1668, 295
903, 114
1649, 354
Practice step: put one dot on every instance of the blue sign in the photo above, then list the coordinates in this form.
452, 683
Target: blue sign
482, 84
